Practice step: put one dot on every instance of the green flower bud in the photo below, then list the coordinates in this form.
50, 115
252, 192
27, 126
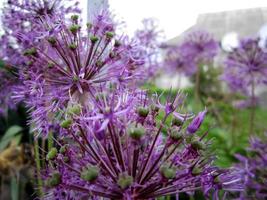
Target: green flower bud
73, 46
74, 109
176, 135
90, 173
198, 145
136, 132
167, 172
99, 63
154, 108
217, 179
74, 28
74, 17
66, 123
89, 25
55, 180
125, 180
109, 35
142, 112
30, 52
63, 149
94, 39
117, 43
196, 171
50, 65
52, 41
176, 122
52, 154
66, 159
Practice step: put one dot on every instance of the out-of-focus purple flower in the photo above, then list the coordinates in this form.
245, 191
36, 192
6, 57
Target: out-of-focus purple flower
197, 48
196, 122
253, 168
150, 39
132, 159
246, 67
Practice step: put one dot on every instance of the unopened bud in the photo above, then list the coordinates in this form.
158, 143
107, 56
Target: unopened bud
74, 109
197, 145
90, 173
109, 35
196, 171
176, 122
167, 172
176, 135
73, 46
54, 180
66, 123
136, 132
74, 28
52, 41
94, 39
52, 154
125, 180
142, 112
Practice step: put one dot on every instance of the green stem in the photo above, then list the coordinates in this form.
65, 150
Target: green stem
50, 141
197, 85
38, 167
252, 108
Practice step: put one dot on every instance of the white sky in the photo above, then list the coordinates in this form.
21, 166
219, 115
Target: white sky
174, 16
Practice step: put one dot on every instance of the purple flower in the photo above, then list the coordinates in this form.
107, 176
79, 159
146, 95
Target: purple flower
131, 159
253, 168
197, 48
196, 122
245, 67
72, 64
150, 38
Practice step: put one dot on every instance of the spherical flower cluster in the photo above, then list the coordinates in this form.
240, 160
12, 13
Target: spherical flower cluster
73, 63
253, 167
197, 48
118, 151
246, 68
20, 18
150, 38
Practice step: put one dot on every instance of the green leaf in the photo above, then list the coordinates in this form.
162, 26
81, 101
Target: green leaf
14, 188
14, 132
2, 64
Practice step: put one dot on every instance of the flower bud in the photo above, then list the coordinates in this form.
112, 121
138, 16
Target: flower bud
109, 35
136, 132
54, 180
66, 159
125, 180
196, 171
30, 52
89, 25
63, 149
176, 122
73, 46
167, 172
74, 28
90, 173
196, 122
176, 135
94, 39
117, 43
66, 123
74, 17
142, 112
198, 145
52, 154
99, 63
74, 109
52, 41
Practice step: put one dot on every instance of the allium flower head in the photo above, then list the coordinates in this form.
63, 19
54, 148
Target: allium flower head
245, 66
253, 167
196, 48
132, 159
74, 63
149, 37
